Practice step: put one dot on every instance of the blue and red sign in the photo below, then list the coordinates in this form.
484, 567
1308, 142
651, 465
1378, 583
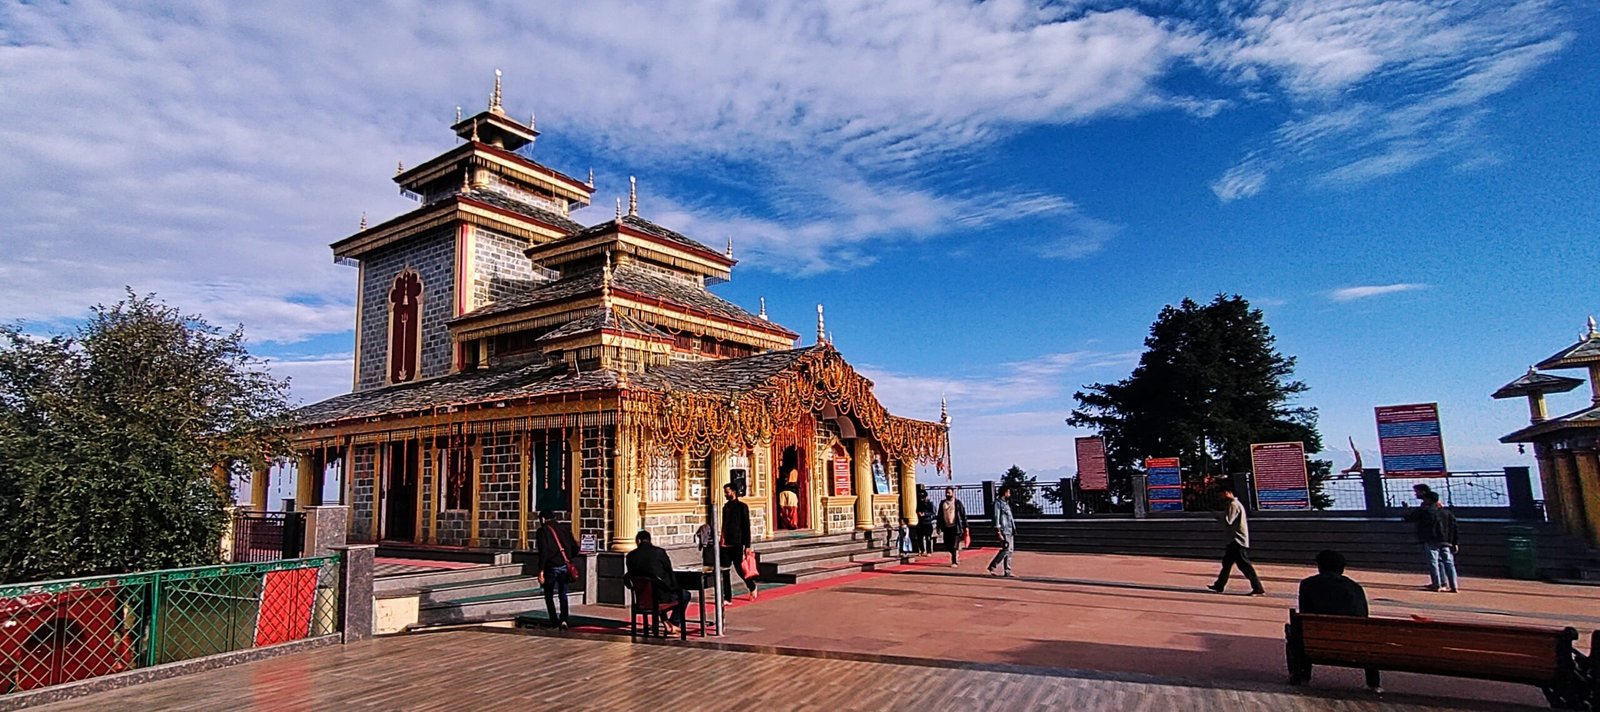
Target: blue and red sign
1163, 484
1408, 437
1280, 475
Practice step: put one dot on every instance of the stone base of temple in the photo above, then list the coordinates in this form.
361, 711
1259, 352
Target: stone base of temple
788, 559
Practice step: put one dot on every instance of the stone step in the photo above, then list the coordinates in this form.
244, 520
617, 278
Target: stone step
411, 583
503, 606
400, 550
811, 551
444, 593
822, 572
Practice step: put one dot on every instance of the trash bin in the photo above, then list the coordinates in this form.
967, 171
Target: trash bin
1522, 557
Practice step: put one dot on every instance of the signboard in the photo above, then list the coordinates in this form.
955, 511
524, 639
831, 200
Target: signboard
588, 544
1280, 475
1092, 464
880, 476
1163, 484
1408, 437
841, 475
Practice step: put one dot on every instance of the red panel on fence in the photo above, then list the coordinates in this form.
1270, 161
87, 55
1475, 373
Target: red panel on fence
1092, 464
50, 639
287, 599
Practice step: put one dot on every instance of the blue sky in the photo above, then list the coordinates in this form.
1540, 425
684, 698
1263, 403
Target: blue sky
993, 201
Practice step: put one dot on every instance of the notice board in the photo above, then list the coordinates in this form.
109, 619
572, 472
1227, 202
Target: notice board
1163, 484
1092, 464
1408, 437
1280, 475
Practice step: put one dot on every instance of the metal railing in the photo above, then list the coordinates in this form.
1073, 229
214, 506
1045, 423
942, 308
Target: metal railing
970, 496
1460, 489
54, 632
267, 536
1039, 500
1348, 492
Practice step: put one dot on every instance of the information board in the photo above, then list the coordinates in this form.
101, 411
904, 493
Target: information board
588, 544
1408, 437
841, 475
1092, 464
880, 477
1163, 484
1280, 475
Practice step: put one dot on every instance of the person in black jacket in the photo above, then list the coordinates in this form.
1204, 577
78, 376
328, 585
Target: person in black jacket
735, 542
556, 550
649, 562
1436, 527
952, 520
1330, 593
925, 511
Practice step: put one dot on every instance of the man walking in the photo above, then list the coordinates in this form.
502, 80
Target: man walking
735, 542
1238, 554
952, 523
1006, 525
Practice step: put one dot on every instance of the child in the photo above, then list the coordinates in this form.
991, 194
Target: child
905, 536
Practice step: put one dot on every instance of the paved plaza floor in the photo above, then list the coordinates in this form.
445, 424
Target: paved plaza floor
1071, 632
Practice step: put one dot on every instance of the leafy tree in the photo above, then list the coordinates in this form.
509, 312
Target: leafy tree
112, 440
1209, 384
1022, 486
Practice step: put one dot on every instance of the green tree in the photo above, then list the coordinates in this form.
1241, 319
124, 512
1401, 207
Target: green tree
1209, 384
109, 438
1022, 487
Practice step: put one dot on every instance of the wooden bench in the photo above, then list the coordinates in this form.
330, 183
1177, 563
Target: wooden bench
1542, 657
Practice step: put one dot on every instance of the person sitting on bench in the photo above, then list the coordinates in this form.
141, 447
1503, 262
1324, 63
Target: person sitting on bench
1332, 593
651, 563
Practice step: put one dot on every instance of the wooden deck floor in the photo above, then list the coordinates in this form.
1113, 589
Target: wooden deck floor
473, 669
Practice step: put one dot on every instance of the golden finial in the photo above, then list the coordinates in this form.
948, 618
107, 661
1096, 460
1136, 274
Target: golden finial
474, 132
466, 179
1592, 330
363, 220
763, 313
633, 197
944, 410
399, 167
822, 333
619, 210
458, 114
533, 121
494, 99
730, 248
591, 178
605, 284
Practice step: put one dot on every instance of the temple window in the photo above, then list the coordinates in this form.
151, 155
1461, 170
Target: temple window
405, 327
663, 479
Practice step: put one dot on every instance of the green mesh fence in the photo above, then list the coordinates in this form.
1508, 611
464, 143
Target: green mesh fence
53, 632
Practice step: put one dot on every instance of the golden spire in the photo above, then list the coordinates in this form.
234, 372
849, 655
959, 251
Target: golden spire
822, 333
591, 178
763, 313
399, 167
458, 114
363, 220
494, 99
619, 210
474, 132
1592, 331
605, 284
533, 121
633, 197
466, 179
944, 411
730, 247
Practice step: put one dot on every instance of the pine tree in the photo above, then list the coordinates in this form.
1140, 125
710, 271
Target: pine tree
1209, 384
1022, 488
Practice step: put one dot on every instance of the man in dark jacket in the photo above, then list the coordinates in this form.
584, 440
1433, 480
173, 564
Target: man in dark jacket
1436, 530
1331, 593
648, 562
555, 549
952, 520
735, 542
924, 530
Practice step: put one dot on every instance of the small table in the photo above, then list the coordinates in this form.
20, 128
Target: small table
698, 580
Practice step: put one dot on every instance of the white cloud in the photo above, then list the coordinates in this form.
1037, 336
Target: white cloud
1346, 294
313, 378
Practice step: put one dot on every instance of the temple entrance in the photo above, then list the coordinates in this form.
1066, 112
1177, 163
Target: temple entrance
400, 492
792, 490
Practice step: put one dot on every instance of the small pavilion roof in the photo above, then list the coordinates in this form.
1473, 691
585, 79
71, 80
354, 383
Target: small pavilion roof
1579, 355
649, 228
1586, 418
602, 320
534, 380
1534, 382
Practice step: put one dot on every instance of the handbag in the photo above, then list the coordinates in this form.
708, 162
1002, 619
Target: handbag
749, 566
572, 571
966, 539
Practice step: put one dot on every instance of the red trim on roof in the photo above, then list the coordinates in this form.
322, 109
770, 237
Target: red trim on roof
766, 327
512, 213
718, 257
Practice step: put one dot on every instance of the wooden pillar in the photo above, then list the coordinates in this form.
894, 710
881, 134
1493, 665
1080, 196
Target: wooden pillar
1571, 497
861, 474
721, 474
260, 482
380, 459
908, 490
1548, 482
625, 500
475, 451
305, 481
524, 470
574, 475
1588, 472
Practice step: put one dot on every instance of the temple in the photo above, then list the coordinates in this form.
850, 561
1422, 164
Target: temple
1566, 448
510, 360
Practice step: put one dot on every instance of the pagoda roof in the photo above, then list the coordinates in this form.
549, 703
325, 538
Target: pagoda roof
532, 210
601, 320
640, 225
630, 281
522, 216
529, 381
1579, 355
1534, 382
430, 169
722, 377
1586, 418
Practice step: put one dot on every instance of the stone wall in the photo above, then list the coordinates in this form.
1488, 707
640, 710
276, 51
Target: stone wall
363, 477
433, 257
500, 269
841, 518
594, 491
669, 530
886, 516
453, 527
498, 493
758, 522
